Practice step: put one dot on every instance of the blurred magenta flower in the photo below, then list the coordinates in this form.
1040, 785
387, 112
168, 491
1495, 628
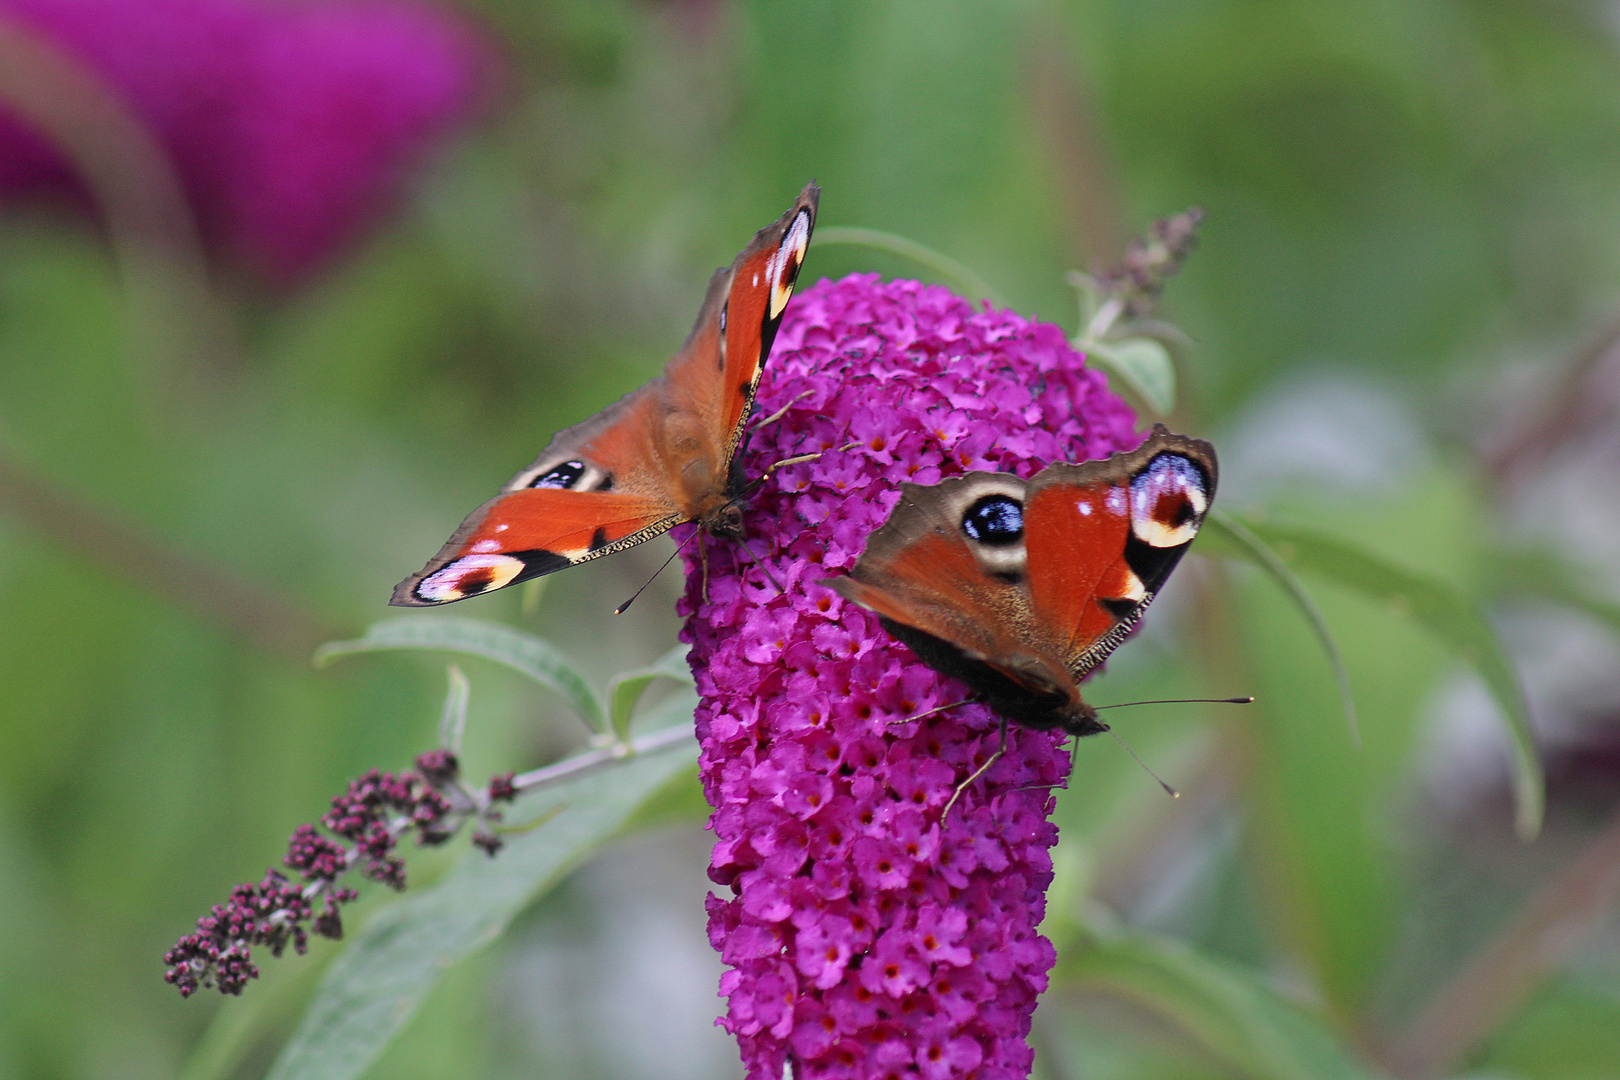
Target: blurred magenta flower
867, 937
291, 125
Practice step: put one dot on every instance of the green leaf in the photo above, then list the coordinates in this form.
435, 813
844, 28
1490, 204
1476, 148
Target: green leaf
1145, 367
524, 653
1232, 537
1228, 1010
1543, 574
625, 691
1446, 613
377, 983
453, 721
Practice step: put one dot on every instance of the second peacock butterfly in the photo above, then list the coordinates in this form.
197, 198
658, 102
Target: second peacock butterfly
667, 453
1021, 588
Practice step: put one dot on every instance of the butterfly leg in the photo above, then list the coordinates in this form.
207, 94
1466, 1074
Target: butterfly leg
980, 771
703, 560
931, 712
757, 561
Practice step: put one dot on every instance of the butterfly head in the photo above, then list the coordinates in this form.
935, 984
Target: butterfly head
726, 520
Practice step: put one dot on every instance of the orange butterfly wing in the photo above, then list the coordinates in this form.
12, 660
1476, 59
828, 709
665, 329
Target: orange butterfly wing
1102, 536
660, 456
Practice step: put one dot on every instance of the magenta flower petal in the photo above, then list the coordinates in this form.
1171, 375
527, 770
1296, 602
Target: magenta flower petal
867, 937
291, 125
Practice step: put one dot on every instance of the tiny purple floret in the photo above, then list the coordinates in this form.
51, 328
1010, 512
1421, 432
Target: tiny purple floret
865, 936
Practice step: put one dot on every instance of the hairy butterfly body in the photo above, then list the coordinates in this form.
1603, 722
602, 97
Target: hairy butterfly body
665, 454
1020, 588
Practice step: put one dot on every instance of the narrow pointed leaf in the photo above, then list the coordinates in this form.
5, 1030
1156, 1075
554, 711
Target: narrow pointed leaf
1543, 574
1446, 613
1234, 538
948, 269
522, 652
1232, 1013
373, 988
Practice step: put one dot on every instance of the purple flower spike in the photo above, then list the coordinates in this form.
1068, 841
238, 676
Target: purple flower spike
290, 125
866, 936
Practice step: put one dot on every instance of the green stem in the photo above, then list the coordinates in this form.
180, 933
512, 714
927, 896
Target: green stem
954, 273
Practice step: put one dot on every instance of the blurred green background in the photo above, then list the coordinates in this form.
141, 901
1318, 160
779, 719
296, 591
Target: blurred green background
1402, 325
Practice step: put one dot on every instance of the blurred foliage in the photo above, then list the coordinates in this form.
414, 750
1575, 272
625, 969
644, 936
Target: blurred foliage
1417, 197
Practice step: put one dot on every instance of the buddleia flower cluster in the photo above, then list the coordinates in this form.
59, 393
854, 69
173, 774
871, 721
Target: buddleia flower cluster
867, 932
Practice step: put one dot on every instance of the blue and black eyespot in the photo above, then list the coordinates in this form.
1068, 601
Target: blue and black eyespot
996, 520
565, 475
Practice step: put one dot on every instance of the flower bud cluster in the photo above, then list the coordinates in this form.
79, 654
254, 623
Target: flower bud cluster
365, 823
1150, 261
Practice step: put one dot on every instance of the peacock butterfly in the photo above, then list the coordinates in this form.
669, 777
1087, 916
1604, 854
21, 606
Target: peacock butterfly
665, 454
1020, 588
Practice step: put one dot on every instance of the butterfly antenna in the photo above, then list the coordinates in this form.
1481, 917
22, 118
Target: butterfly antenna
624, 607
1168, 790
1184, 701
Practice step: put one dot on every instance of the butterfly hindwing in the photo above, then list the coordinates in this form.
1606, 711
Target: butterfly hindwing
528, 533
591, 477
918, 569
